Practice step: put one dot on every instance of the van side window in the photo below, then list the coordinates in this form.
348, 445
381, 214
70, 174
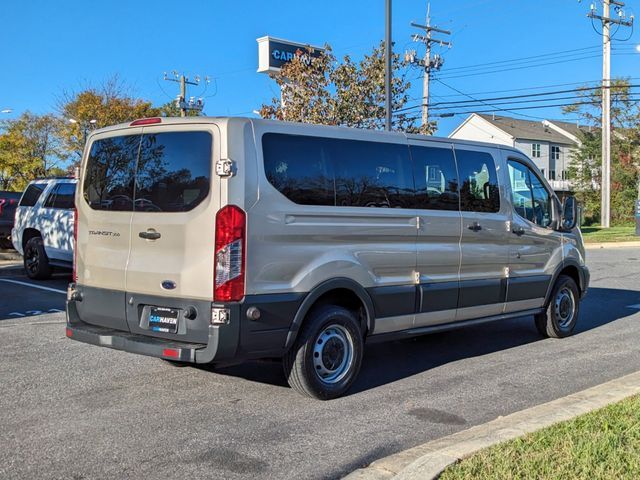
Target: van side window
436, 178
31, 195
372, 174
330, 171
479, 191
109, 177
173, 172
531, 200
298, 166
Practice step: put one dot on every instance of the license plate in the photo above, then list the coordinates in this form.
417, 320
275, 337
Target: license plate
162, 319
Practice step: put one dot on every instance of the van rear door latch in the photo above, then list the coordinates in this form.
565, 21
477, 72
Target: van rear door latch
225, 167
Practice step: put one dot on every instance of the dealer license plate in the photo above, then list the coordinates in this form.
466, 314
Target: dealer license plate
163, 319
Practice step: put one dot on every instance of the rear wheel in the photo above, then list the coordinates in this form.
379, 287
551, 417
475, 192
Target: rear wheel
326, 357
561, 315
36, 262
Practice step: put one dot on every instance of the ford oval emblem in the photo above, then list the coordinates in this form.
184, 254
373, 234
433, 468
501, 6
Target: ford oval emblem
168, 284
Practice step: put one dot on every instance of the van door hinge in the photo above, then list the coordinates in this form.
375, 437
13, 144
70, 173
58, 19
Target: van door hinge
225, 167
416, 278
418, 223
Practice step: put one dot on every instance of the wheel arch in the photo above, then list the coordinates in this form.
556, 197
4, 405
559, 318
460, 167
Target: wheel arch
28, 234
339, 291
570, 268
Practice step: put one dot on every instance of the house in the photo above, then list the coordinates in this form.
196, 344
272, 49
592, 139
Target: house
548, 143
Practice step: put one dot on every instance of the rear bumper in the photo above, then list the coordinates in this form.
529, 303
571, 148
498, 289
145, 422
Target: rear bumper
239, 339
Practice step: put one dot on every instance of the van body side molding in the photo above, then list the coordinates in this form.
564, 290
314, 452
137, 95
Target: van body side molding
414, 332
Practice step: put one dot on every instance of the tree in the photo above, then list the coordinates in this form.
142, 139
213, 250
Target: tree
109, 104
29, 148
585, 170
170, 109
322, 91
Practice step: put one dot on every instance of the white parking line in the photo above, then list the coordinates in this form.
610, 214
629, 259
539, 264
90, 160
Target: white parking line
48, 289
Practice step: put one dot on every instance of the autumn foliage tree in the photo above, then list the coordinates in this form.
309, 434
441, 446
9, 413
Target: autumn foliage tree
350, 93
30, 148
108, 104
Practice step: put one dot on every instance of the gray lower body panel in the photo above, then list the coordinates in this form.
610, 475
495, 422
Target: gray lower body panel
107, 318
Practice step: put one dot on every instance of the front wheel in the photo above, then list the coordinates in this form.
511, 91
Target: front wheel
326, 357
561, 315
36, 262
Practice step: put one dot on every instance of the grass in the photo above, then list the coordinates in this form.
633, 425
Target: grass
604, 444
613, 234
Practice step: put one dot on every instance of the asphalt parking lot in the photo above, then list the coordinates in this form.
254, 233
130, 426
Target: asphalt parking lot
70, 410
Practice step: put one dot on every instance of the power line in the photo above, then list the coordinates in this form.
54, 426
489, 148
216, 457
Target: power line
631, 99
544, 64
521, 59
463, 103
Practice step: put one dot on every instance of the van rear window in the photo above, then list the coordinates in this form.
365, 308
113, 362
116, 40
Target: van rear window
157, 172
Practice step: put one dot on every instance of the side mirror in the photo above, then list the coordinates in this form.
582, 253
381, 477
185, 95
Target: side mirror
569, 213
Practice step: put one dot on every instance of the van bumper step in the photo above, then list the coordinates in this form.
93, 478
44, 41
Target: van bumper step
129, 342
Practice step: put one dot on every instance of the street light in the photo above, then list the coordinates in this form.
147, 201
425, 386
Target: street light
84, 126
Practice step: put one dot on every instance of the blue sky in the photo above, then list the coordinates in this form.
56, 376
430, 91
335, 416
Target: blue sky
48, 47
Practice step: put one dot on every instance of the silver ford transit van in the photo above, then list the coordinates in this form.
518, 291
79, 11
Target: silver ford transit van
214, 240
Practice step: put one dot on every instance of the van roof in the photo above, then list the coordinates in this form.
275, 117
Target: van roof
312, 127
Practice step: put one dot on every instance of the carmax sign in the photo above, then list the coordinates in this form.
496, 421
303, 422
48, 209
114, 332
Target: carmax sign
273, 53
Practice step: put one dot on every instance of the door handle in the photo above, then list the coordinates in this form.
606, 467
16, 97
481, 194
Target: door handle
150, 235
519, 231
475, 227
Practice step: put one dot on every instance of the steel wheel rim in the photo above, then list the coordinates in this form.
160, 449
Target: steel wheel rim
565, 307
332, 354
32, 259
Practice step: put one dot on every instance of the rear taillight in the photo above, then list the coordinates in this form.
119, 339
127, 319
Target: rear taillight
2, 202
229, 254
75, 244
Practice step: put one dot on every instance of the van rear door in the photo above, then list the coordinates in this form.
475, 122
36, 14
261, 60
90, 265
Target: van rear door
105, 202
169, 275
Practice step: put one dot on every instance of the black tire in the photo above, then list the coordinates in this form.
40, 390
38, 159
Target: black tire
36, 262
325, 359
561, 314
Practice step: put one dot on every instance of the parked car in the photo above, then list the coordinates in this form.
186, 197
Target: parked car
8, 204
272, 239
43, 230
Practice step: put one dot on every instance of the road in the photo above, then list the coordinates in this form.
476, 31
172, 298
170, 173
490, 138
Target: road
70, 410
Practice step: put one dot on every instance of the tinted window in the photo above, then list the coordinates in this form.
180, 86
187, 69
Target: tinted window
32, 194
326, 171
108, 183
371, 174
299, 168
173, 172
479, 190
61, 196
436, 178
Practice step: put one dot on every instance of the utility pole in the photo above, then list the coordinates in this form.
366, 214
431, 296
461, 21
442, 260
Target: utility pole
181, 100
607, 21
427, 63
388, 47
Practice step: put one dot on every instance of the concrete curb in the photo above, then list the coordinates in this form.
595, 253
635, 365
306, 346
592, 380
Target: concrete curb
427, 461
612, 244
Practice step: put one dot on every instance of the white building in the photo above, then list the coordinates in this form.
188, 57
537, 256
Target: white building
548, 143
